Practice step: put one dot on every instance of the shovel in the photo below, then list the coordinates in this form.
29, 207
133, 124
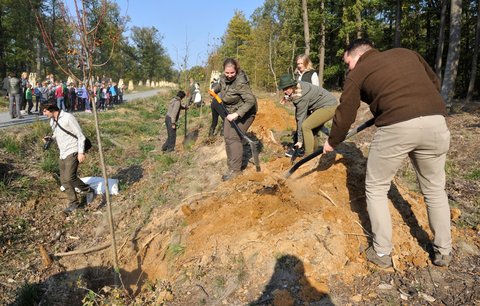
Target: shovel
189, 138
222, 111
319, 151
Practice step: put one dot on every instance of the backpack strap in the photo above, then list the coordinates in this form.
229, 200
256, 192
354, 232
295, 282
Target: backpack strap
68, 132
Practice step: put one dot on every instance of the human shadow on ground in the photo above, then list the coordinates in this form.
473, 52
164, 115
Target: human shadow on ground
288, 285
77, 287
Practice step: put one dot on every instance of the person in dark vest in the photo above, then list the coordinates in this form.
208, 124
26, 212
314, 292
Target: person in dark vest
305, 71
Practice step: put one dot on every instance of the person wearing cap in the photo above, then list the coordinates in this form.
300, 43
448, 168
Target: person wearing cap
314, 106
409, 113
171, 121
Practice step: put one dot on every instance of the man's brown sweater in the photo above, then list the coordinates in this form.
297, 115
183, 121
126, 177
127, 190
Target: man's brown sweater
397, 84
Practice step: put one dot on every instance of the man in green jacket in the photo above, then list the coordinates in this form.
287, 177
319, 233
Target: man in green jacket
404, 96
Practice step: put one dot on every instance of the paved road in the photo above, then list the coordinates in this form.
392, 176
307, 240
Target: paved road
6, 121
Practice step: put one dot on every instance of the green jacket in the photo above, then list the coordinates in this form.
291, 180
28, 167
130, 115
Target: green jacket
307, 98
237, 95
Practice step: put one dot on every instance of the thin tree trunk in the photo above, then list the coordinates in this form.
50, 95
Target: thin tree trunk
321, 52
306, 28
270, 62
294, 47
441, 39
358, 18
473, 73
398, 23
451, 67
38, 67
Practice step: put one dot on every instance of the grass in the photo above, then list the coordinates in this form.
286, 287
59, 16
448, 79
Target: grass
11, 145
176, 249
473, 175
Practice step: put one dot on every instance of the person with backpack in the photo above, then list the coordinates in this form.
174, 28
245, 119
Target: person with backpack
71, 143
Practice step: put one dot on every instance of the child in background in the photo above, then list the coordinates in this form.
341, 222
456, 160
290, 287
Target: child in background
29, 97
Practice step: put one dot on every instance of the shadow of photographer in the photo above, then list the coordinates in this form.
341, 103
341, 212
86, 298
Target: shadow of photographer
289, 285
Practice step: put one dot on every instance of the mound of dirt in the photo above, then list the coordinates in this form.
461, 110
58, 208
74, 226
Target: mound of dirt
240, 232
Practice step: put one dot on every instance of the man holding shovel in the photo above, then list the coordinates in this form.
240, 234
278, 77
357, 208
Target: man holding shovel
171, 121
404, 96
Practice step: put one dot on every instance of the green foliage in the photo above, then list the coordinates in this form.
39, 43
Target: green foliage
49, 161
176, 249
11, 145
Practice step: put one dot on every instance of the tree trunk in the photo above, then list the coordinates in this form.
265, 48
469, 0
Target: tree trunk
321, 51
398, 23
306, 28
270, 62
473, 73
451, 66
441, 40
358, 18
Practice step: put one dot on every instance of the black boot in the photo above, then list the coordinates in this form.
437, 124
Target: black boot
211, 132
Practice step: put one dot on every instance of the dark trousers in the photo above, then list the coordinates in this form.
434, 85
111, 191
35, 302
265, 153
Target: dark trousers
215, 116
70, 179
169, 144
233, 141
37, 103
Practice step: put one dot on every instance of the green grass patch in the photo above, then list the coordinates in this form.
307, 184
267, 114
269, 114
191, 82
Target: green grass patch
176, 249
473, 175
11, 145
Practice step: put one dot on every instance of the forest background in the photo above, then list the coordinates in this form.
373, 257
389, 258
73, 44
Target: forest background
446, 33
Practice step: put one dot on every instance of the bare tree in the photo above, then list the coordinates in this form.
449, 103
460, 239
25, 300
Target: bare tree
451, 66
473, 73
270, 62
82, 42
306, 27
441, 39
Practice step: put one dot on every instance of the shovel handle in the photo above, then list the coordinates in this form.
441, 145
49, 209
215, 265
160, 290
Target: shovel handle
319, 151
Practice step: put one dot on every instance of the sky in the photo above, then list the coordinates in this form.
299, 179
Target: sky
194, 23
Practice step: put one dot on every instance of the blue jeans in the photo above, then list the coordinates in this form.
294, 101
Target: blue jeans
61, 103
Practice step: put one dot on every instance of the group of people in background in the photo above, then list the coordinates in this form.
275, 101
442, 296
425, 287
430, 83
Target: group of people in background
409, 113
23, 95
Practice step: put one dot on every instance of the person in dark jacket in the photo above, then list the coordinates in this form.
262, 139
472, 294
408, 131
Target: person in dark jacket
403, 93
314, 106
171, 121
241, 106
14, 93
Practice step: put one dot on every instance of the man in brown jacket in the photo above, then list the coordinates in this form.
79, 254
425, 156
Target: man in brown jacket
404, 96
